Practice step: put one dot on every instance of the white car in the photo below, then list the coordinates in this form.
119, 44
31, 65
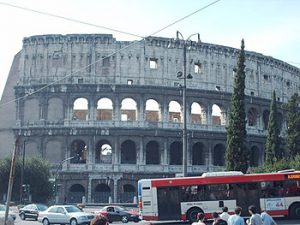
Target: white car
65, 214
11, 214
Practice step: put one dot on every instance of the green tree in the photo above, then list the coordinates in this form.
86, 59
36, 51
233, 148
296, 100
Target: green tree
293, 125
281, 164
237, 154
36, 174
272, 152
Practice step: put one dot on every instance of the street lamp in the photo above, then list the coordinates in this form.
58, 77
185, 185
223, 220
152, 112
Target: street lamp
184, 76
56, 175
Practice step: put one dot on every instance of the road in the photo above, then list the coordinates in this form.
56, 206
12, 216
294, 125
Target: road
280, 221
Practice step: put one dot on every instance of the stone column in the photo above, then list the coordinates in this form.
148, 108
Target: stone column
141, 159
115, 189
92, 109
89, 191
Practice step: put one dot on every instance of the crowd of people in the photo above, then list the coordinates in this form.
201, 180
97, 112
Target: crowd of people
235, 219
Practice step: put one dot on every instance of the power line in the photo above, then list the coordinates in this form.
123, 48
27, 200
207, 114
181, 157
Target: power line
82, 68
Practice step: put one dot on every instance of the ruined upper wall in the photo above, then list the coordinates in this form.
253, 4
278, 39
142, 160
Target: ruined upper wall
99, 58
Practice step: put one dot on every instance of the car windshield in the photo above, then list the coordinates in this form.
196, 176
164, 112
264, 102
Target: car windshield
41, 207
71, 209
120, 208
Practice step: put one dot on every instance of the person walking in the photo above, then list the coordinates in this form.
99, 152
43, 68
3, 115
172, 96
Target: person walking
255, 218
224, 215
236, 218
99, 220
217, 219
200, 218
267, 219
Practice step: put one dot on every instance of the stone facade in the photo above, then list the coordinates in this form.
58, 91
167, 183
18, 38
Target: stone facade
117, 145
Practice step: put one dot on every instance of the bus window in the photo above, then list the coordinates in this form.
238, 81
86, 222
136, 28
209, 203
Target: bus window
292, 187
219, 192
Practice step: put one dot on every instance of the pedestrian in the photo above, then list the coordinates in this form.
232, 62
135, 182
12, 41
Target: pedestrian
267, 219
236, 218
99, 220
200, 218
217, 219
255, 218
224, 215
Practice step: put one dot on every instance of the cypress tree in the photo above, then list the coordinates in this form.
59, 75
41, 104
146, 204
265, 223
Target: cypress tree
272, 152
293, 125
237, 155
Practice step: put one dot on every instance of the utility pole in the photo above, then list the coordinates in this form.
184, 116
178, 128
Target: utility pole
11, 179
22, 172
184, 76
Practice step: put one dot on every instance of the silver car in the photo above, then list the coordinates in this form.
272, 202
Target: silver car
65, 214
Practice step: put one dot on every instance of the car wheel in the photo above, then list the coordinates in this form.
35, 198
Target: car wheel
46, 222
22, 216
124, 219
73, 222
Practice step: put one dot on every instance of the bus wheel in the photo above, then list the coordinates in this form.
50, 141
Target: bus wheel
295, 211
192, 214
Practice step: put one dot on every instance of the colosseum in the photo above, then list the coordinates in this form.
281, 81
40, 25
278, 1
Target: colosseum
106, 113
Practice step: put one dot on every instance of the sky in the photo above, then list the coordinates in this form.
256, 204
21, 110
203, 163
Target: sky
270, 27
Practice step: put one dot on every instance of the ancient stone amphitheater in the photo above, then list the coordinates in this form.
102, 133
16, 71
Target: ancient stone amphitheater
118, 106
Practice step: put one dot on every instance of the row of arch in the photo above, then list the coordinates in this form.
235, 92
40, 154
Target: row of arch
101, 193
128, 153
106, 111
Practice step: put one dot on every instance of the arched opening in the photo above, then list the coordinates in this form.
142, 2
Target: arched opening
104, 109
152, 153
174, 112
31, 148
76, 193
216, 115
218, 155
31, 110
196, 113
102, 193
80, 109
55, 109
176, 153
152, 111
252, 117
80, 150
103, 152
128, 193
128, 110
198, 154
254, 156
128, 152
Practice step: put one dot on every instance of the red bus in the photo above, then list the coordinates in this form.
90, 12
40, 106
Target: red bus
182, 198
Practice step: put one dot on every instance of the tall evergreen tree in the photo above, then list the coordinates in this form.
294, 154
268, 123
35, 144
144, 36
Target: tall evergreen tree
272, 152
293, 125
237, 155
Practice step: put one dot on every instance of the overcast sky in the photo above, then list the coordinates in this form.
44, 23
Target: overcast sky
270, 27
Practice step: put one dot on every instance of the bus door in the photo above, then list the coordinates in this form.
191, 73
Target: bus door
247, 194
168, 202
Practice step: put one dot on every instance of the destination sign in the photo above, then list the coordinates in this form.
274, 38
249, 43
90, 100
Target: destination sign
294, 176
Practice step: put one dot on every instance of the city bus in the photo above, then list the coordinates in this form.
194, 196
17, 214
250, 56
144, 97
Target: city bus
182, 198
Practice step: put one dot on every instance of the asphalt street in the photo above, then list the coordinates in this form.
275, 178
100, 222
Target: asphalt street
280, 221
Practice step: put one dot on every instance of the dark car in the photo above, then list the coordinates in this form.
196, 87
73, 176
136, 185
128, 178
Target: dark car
31, 211
116, 213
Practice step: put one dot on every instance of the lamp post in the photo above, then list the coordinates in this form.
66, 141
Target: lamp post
184, 76
56, 175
